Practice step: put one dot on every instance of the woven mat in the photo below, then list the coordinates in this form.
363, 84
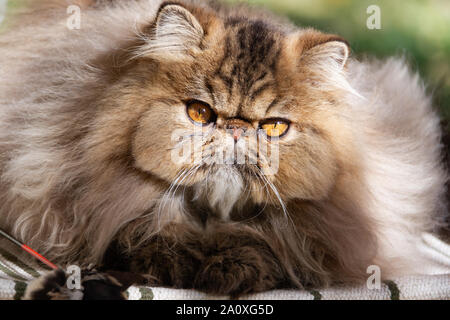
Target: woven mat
16, 271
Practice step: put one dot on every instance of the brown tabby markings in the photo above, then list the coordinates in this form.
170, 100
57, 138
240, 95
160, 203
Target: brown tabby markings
85, 140
250, 56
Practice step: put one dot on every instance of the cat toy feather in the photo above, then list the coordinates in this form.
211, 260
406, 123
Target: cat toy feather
28, 249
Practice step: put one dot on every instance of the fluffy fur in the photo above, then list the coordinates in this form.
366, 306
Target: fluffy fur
86, 118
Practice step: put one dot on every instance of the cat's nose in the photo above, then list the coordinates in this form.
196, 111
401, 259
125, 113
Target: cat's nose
237, 127
237, 132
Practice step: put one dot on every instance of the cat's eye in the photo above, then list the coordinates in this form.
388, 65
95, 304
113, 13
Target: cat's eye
274, 128
200, 112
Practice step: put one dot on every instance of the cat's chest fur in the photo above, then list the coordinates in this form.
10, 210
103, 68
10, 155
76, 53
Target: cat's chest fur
221, 191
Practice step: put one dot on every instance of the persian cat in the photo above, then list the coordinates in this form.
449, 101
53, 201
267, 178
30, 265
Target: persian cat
89, 166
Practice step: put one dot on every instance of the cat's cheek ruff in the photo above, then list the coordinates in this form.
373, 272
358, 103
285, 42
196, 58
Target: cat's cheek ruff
157, 139
311, 174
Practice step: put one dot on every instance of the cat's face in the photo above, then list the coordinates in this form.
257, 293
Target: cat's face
237, 109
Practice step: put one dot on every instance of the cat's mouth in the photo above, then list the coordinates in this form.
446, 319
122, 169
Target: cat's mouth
229, 188
221, 189
246, 172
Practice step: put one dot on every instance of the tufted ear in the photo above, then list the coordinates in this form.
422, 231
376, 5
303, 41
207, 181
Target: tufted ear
176, 32
322, 49
334, 51
321, 58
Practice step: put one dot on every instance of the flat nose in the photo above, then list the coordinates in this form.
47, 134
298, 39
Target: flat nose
237, 132
237, 127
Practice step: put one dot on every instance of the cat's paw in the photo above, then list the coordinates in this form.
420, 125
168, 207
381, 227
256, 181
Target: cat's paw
94, 286
167, 262
235, 272
51, 286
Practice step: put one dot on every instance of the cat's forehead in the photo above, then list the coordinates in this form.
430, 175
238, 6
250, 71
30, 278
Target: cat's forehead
243, 81
252, 44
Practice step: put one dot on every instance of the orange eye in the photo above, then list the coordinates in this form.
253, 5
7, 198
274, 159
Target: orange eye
200, 112
275, 128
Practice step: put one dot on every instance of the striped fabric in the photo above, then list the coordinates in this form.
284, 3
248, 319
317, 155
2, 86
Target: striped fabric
16, 271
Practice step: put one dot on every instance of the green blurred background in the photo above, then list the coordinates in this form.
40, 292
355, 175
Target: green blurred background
417, 29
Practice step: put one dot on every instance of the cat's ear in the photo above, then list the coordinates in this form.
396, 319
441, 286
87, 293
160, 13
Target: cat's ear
175, 32
331, 52
316, 48
321, 58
